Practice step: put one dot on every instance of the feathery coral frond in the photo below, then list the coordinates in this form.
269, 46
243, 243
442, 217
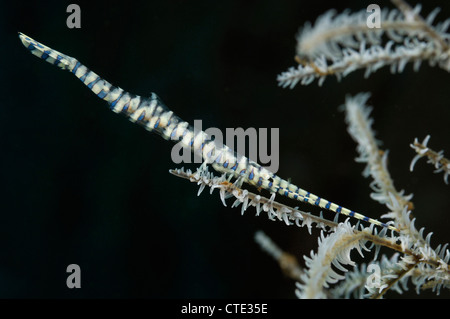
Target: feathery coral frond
441, 164
339, 44
369, 58
334, 250
274, 209
332, 32
288, 263
357, 116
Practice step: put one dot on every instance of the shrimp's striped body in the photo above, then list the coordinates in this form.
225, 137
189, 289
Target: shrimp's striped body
153, 115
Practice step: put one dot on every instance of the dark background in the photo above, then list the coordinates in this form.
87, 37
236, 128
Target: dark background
80, 184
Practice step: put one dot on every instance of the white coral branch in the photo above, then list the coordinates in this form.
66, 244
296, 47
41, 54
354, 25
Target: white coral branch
437, 159
369, 58
334, 250
288, 263
339, 44
359, 126
331, 31
274, 209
